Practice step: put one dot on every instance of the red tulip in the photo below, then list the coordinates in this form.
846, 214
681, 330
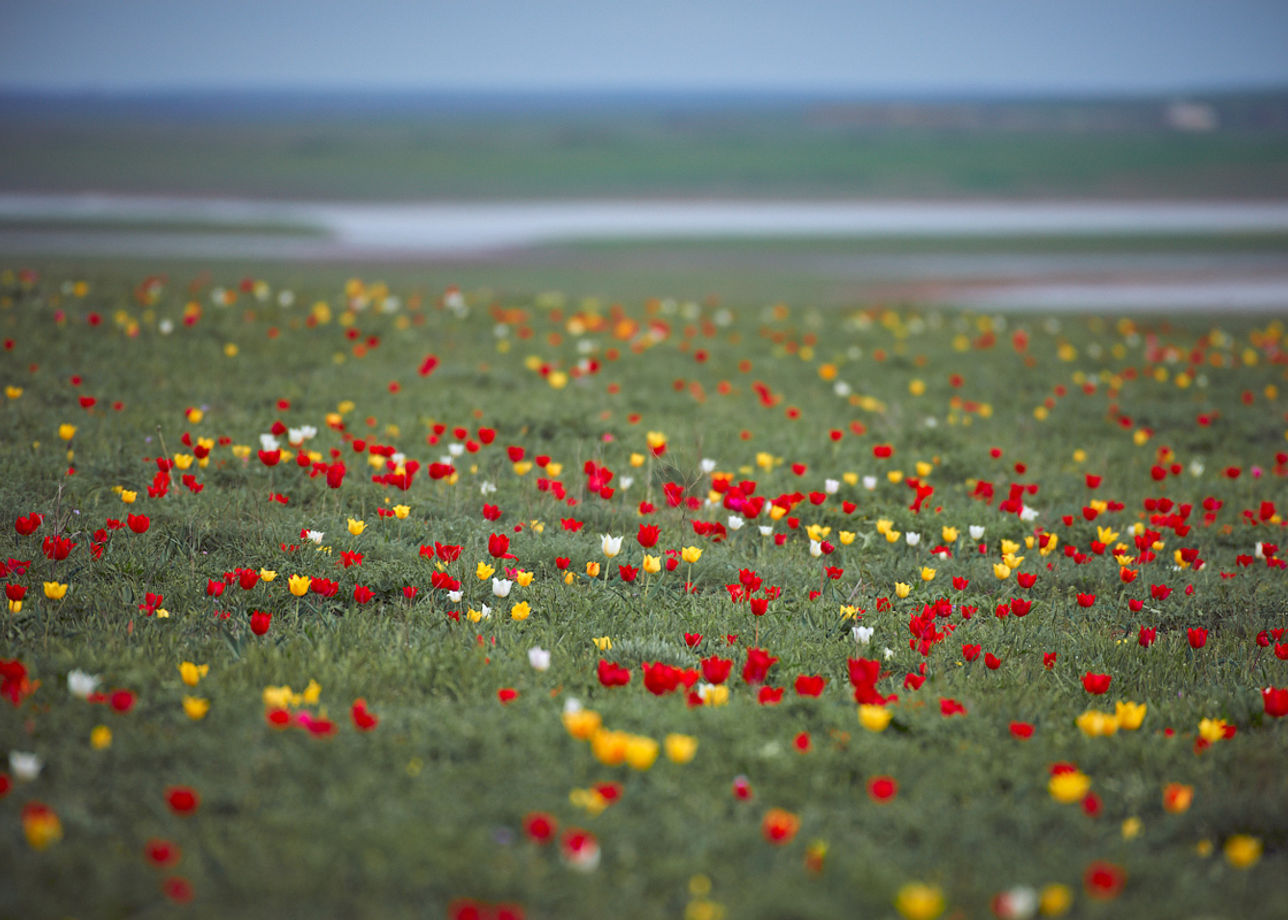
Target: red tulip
1275, 701
715, 670
1096, 683
757, 666
260, 621
810, 684
498, 544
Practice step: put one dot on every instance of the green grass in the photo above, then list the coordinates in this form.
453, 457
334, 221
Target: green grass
428, 807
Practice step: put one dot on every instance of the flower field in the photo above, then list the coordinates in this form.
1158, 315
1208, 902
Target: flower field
386, 599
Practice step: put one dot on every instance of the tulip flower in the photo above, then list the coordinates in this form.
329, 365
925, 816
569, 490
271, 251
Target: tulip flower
680, 748
40, 824
779, 826
299, 584
195, 708
260, 621
1103, 880
611, 545
1096, 683
874, 718
1242, 851
1129, 715
919, 901
1275, 701
1177, 797
191, 673
1069, 786
357, 527
55, 591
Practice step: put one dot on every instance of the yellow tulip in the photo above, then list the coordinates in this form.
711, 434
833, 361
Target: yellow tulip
55, 591
483, 571
927, 573
846, 537
1001, 570
603, 643
195, 708
1212, 730
128, 497
267, 574
191, 673
100, 738
592, 569
901, 590
680, 748
1069, 787
1095, 723
874, 718
520, 611
1242, 851
949, 534
1055, 899
691, 554
918, 901
66, 431
609, 747
357, 527
523, 579
714, 694
1129, 715
582, 724
401, 511
641, 752
652, 564
299, 584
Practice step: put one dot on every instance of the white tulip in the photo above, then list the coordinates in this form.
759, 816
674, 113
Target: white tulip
501, 587
862, 634
611, 545
976, 531
539, 658
81, 683
24, 766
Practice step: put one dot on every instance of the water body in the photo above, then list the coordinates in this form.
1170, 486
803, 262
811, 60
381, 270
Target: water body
135, 226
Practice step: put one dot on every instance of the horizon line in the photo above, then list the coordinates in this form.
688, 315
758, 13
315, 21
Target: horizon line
581, 91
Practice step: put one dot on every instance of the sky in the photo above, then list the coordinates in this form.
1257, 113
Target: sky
848, 46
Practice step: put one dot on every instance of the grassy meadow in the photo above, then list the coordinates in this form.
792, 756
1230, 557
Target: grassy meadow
316, 604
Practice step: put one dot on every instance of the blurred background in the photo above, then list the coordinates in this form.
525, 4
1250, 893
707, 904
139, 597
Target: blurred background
996, 153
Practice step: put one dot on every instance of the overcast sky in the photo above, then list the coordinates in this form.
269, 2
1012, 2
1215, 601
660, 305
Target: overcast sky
865, 46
